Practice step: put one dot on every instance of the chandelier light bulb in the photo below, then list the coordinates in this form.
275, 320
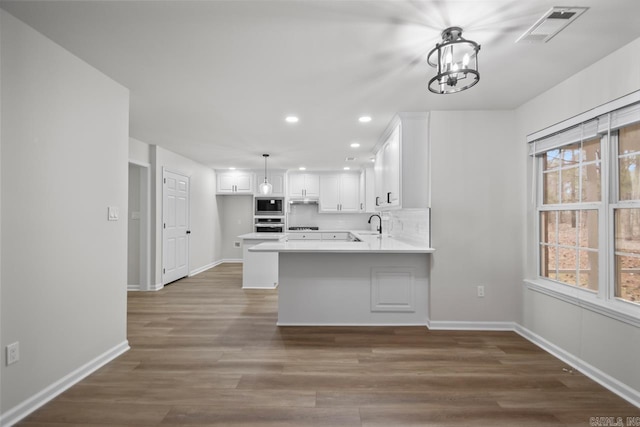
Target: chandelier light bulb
465, 60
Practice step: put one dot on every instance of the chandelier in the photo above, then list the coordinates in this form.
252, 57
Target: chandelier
456, 62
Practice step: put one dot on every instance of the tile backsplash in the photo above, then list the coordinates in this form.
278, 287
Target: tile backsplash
308, 215
409, 224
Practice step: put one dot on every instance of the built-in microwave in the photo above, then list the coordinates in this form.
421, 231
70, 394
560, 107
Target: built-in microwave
273, 206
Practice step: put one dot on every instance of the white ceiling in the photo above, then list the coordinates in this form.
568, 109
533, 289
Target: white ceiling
213, 80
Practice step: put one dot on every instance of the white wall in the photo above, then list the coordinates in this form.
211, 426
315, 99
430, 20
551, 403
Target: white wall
139, 152
236, 217
204, 240
64, 160
608, 345
133, 230
477, 192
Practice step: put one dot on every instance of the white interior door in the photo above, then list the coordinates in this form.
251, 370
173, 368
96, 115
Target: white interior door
175, 232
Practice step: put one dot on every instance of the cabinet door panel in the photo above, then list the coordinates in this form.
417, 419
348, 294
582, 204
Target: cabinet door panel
312, 185
349, 193
329, 193
244, 183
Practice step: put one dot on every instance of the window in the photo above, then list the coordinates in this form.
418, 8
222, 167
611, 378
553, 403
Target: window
627, 216
588, 207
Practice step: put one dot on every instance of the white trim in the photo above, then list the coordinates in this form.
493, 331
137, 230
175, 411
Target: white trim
616, 104
139, 163
29, 405
203, 268
454, 325
621, 312
156, 287
133, 288
231, 261
615, 386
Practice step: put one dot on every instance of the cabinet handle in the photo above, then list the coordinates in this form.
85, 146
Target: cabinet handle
389, 197
377, 201
361, 207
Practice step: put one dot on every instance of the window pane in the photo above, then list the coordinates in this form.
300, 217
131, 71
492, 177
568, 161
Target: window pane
588, 229
570, 185
567, 228
629, 186
591, 150
548, 227
591, 182
550, 188
548, 261
551, 160
629, 138
570, 155
627, 230
628, 278
588, 269
567, 265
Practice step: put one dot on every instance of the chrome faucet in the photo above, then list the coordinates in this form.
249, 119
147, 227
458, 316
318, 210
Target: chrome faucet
380, 218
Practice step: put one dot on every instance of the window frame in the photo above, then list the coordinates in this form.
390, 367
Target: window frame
604, 300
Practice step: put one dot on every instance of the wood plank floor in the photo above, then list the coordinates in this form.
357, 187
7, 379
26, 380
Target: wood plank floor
204, 352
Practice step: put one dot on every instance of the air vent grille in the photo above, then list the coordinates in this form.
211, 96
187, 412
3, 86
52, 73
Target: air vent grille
552, 22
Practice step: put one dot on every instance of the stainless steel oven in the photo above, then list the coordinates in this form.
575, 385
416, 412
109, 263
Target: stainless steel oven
273, 206
269, 225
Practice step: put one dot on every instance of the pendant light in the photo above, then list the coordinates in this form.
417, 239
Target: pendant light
265, 188
455, 61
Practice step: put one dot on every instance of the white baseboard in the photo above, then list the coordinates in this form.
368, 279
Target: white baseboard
232, 261
25, 408
133, 288
156, 287
615, 386
204, 268
469, 326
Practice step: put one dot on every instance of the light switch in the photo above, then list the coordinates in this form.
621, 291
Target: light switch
113, 213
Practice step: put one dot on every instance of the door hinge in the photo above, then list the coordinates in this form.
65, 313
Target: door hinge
164, 271
164, 225
165, 180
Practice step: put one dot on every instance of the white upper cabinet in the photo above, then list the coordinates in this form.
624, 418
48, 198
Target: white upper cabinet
340, 193
235, 182
402, 164
304, 185
276, 179
367, 190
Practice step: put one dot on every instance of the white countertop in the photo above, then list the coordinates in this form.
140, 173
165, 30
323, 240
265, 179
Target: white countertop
368, 244
262, 236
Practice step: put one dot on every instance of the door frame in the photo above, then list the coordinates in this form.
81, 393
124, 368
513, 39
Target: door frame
145, 226
162, 221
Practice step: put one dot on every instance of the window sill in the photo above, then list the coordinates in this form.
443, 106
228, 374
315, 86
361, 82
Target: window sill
618, 310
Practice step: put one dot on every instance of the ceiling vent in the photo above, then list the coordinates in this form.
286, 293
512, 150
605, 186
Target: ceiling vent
552, 22
350, 159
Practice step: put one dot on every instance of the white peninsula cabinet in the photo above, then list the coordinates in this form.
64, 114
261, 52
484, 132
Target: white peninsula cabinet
304, 185
402, 163
340, 193
234, 182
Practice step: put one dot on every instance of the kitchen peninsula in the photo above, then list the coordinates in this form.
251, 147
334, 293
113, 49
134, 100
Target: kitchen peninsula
376, 280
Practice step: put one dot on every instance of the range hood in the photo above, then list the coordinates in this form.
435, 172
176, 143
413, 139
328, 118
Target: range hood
303, 201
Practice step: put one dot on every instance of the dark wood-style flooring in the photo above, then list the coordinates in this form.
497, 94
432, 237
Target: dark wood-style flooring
204, 352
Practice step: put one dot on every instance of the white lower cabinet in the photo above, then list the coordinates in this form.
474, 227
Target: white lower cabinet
304, 236
340, 193
259, 269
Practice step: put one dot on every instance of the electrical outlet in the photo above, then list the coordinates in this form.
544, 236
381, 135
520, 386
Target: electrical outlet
236, 244
13, 353
480, 291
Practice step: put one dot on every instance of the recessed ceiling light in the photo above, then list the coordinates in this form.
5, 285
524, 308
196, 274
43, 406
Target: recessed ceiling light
232, 168
302, 168
291, 119
346, 168
355, 145
373, 160
364, 119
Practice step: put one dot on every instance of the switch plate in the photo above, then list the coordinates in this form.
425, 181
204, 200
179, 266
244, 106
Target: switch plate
113, 213
13, 353
480, 291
